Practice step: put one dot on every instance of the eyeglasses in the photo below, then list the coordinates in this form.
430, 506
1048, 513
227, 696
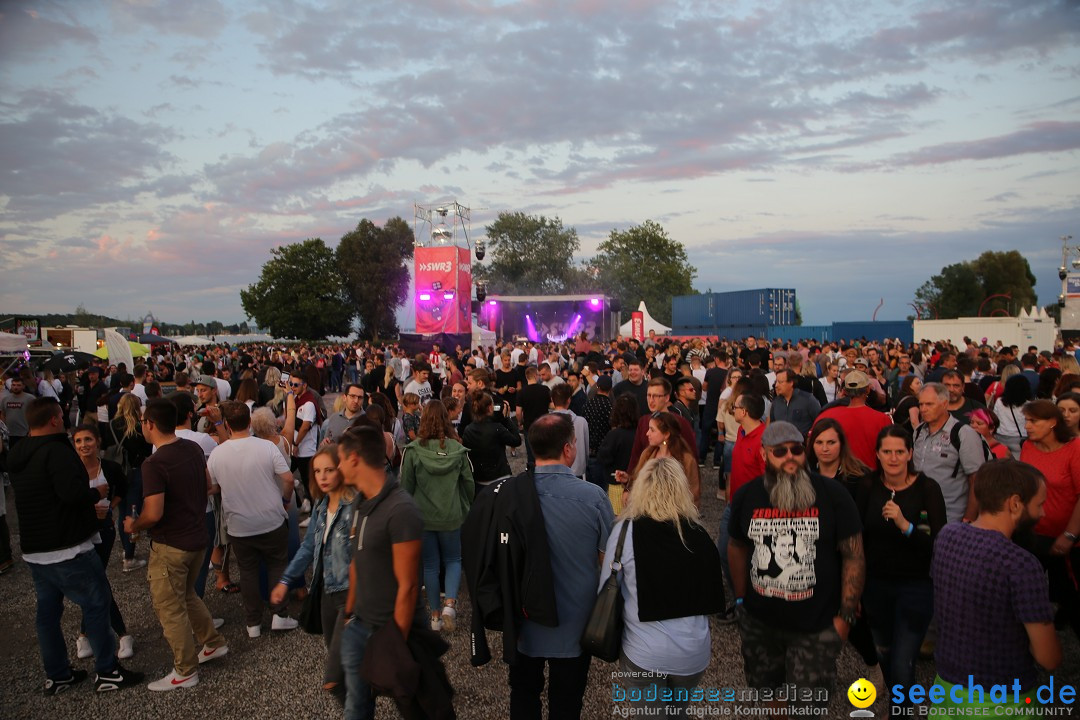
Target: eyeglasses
654, 396
355, 397
781, 451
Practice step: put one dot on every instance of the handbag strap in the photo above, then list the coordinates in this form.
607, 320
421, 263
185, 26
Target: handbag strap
616, 564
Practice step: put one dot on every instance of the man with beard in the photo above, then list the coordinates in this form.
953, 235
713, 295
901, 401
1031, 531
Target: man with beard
797, 565
991, 598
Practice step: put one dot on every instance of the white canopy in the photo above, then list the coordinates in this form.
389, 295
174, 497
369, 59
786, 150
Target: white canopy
10, 343
482, 336
651, 323
191, 340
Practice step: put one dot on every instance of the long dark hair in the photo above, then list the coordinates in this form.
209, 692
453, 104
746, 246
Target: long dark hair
850, 465
1017, 391
624, 413
1047, 410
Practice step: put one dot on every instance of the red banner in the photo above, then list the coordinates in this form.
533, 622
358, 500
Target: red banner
443, 290
637, 325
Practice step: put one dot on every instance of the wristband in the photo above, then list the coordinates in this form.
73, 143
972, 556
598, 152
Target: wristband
219, 423
910, 529
1070, 536
738, 601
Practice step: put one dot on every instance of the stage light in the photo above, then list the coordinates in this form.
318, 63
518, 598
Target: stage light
481, 291
436, 286
595, 302
425, 297
493, 302
449, 295
481, 250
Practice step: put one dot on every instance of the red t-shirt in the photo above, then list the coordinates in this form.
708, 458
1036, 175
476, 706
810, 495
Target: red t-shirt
1061, 469
746, 460
861, 427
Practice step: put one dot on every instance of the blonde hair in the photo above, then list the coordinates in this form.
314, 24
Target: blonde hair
129, 411
263, 424
1069, 364
662, 492
1008, 372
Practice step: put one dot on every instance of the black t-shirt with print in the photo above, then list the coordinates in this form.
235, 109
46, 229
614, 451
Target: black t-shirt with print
794, 561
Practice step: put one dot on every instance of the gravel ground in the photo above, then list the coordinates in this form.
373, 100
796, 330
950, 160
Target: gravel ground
279, 674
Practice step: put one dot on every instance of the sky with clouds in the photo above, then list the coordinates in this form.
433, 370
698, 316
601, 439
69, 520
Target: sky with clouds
152, 152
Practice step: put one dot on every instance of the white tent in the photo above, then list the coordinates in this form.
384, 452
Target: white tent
482, 336
191, 340
650, 323
10, 343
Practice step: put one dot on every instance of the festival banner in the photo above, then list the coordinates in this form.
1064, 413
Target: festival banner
443, 290
637, 325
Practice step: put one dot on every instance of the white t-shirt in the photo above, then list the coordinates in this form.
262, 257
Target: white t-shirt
47, 389
247, 470
423, 390
224, 389
96, 482
139, 391
514, 355
208, 445
310, 444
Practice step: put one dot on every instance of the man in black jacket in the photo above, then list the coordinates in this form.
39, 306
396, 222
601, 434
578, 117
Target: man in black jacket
59, 529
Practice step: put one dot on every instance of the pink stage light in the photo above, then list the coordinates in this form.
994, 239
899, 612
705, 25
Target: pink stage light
448, 295
493, 303
595, 302
425, 296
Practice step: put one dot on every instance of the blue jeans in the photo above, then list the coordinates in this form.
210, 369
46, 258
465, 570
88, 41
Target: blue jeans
134, 497
899, 612
441, 548
211, 529
82, 581
104, 551
728, 448
722, 542
359, 701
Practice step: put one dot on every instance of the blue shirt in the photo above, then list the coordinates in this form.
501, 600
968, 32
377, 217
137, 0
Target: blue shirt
577, 518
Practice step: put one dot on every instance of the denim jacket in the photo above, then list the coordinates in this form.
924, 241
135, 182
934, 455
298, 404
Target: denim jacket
336, 561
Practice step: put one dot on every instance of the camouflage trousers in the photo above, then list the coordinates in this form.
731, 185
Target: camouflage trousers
775, 658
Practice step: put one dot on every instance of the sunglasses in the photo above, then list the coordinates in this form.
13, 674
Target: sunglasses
781, 451
296, 385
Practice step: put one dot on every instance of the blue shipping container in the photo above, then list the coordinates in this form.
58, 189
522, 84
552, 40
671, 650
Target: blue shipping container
766, 306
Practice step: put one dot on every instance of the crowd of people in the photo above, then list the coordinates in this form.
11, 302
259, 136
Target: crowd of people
906, 498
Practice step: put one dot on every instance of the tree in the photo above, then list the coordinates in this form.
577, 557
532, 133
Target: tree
644, 263
960, 289
530, 254
374, 265
299, 293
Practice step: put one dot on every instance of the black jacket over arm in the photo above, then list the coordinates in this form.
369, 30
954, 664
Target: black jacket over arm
507, 563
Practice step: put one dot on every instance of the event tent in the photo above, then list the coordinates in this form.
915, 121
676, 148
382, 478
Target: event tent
482, 336
11, 343
651, 323
192, 340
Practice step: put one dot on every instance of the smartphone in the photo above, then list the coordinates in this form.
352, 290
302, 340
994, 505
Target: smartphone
498, 408
285, 378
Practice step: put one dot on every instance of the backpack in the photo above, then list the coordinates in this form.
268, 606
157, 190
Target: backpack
954, 438
116, 453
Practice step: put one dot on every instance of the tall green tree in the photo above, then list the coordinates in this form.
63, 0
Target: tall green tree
530, 254
960, 289
644, 263
299, 293
374, 264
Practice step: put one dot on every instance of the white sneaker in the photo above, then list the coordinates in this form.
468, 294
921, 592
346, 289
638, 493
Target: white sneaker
254, 631
133, 564
449, 618
280, 622
305, 522
218, 622
82, 648
208, 653
172, 681
305, 507
436, 624
127, 647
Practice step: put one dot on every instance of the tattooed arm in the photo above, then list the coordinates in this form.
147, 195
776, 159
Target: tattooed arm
852, 579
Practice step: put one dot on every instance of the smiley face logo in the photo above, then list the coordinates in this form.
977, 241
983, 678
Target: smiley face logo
862, 693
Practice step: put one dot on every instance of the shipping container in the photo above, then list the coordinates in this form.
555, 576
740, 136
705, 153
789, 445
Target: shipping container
762, 307
881, 330
1022, 332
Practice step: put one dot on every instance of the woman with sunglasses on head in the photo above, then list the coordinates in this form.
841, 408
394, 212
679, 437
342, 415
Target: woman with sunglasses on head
103, 472
984, 423
902, 512
831, 457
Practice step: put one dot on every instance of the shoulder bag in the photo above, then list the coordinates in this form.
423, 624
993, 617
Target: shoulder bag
603, 632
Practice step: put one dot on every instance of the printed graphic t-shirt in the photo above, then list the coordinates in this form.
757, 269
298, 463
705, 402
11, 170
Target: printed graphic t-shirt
794, 561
